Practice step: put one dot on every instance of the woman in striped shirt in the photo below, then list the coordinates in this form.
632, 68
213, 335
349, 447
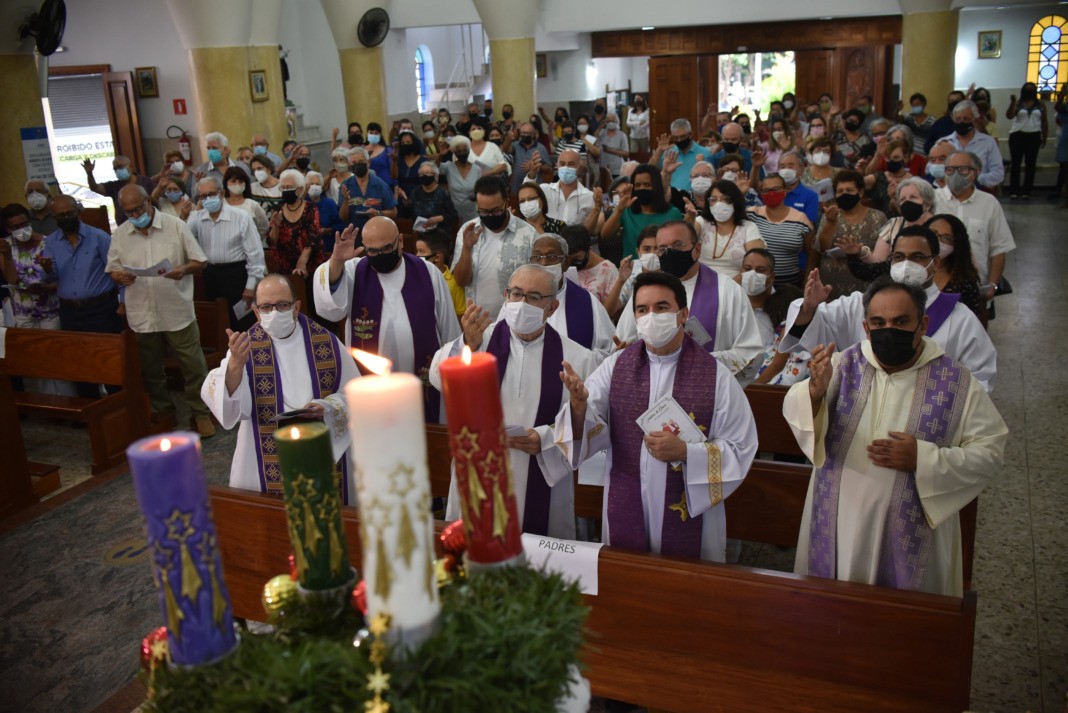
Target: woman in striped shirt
785, 230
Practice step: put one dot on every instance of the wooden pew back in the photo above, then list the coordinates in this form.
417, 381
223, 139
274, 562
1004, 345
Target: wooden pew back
74, 356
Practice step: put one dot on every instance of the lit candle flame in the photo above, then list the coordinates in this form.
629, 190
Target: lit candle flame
294, 433
165, 444
373, 362
466, 354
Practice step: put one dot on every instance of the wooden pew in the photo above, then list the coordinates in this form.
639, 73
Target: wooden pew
114, 421
696, 636
213, 319
16, 487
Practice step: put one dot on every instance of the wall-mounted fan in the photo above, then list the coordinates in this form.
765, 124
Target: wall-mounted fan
46, 26
373, 27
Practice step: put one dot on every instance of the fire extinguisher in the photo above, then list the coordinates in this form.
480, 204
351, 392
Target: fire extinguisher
185, 146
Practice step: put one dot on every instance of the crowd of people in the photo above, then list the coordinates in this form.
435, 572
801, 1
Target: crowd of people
819, 247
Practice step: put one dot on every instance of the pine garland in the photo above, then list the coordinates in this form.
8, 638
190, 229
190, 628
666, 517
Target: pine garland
505, 643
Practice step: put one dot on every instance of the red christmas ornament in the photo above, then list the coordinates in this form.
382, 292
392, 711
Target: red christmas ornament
154, 649
359, 598
453, 540
293, 573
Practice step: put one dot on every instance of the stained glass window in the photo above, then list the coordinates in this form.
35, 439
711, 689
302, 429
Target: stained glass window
420, 79
1047, 66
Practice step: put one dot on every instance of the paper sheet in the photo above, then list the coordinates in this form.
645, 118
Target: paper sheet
591, 470
825, 190
158, 270
666, 415
420, 224
590, 139
515, 431
575, 561
240, 309
695, 329
3, 339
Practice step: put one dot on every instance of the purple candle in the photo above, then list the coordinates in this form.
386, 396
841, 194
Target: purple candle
168, 475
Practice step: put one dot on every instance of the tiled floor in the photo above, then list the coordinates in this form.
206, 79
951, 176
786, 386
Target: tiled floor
1021, 568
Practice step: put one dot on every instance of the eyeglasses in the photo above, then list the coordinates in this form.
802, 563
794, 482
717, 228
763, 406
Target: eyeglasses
280, 306
918, 258
138, 211
491, 213
962, 170
205, 196
69, 214
553, 259
514, 294
372, 252
680, 246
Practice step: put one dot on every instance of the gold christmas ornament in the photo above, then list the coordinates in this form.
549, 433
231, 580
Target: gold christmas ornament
278, 594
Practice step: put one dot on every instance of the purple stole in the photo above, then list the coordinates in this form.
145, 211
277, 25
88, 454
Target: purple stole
578, 310
937, 406
695, 390
536, 507
938, 311
705, 303
265, 381
418, 295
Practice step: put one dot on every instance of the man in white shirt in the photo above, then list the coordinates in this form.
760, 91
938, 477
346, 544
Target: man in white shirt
967, 137
531, 353
662, 494
285, 363
490, 247
720, 306
901, 437
988, 231
394, 304
567, 200
229, 238
159, 308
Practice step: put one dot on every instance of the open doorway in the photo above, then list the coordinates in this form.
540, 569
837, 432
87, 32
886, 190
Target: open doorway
750, 82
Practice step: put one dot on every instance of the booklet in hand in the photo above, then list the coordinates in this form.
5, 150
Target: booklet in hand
667, 415
298, 415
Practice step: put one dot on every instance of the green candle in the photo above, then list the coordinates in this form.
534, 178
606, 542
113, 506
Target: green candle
313, 506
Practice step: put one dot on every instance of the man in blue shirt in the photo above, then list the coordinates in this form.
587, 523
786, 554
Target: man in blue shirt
943, 125
364, 195
798, 195
522, 153
684, 151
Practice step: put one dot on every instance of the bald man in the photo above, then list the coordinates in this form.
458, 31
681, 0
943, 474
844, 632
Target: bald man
732, 144
393, 303
567, 200
159, 308
125, 175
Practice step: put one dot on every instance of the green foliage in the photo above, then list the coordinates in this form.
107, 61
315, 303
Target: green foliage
505, 642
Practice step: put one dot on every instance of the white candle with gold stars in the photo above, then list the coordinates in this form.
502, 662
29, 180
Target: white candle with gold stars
393, 485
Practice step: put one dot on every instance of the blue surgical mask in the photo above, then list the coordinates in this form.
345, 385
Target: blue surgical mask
373, 139
173, 196
214, 155
213, 204
142, 221
123, 174
936, 171
567, 174
917, 109
259, 150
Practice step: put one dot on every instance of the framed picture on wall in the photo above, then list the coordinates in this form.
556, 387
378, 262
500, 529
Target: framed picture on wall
990, 44
146, 82
541, 65
257, 80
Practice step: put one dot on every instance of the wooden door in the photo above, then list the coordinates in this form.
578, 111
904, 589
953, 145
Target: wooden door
673, 93
815, 74
122, 114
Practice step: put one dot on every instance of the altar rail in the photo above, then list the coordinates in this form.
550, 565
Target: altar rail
681, 635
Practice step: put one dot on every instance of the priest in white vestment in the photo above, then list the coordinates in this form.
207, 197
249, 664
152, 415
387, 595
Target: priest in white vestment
531, 395
393, 303
952, 326
720, 305
901, 437
662, 494
285, 362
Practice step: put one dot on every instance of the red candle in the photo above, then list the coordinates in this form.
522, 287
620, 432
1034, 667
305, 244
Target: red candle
472, 394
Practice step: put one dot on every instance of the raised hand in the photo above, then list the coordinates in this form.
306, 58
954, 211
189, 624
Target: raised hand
598, 197
334, 132
240, 344
472, 232
691, 210
671, 161
474, 323
830, 210
815, 294
89, 166
663, 142
345, 244
758, 158
626, 197
575, 387
819, 370
626, 267
848, 244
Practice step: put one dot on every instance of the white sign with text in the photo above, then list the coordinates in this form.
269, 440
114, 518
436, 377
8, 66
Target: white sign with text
575, 561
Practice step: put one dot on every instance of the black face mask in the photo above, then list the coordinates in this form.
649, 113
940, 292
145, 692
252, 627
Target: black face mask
569, 134
472, 114
409, 149
303, 163
643, 196
495, 141
580, 264
730, 147
683, 144
963, 127
385, 262
894, 166
355, 139
598, 109
527, 140
911, 211
460, 157
507, 115
893, 347
852, 124
746, 128
847, 201
677, 262
427, 180
68, 225
289, 196
360, 169
494, 223
487, 113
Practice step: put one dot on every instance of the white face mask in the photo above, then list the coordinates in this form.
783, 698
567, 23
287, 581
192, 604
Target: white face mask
236, 189
908, 273
523, 319
177, 167
23, 234
341, 167
278, 324
730, 176
315, 190
657, 328
820, 158
556, 270
754, 283
261, 175
530, 208
722, 211
788, 175
777, 135
650, 262
37, 200
699, 185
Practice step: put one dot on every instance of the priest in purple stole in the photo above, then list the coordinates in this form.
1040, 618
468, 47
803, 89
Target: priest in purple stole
720, 306
393, 303
285, 362
954, 327
529, 355
662, 494
901, 437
